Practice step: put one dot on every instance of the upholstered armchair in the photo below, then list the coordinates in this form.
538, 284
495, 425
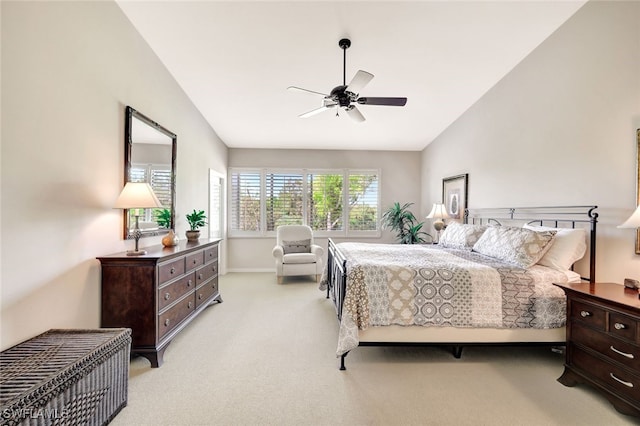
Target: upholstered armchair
296, 253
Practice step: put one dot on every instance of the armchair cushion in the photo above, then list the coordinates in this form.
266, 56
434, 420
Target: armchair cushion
299, 258
297, 246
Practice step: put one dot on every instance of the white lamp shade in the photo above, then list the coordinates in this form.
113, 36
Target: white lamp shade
438, 211
633, 221
137, 195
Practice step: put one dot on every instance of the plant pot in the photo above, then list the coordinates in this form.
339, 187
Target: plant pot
193, 235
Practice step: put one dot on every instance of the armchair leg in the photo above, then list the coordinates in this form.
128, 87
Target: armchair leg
279, 279
318, 276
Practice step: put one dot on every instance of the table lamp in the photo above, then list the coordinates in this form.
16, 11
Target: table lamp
632, 222
438, 212
137, 195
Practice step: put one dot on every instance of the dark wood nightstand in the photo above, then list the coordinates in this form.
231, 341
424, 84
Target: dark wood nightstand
603, 342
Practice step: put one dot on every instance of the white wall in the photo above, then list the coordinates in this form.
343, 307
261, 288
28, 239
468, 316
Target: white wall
68, 71
560, 129
399, 181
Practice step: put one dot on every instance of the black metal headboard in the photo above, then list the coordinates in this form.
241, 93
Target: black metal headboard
557, 217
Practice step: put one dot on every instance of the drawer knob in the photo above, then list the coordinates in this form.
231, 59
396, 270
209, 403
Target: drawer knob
167, 296
166, 322
172, 270
189, 283
200, 296
619, 326
630, 356
190, 304
200, 276
195, 261
585, 314
627, 384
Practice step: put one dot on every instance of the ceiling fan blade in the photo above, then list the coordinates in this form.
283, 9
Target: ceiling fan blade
361, 79
355, 114
300, 89
383, 101
313, 112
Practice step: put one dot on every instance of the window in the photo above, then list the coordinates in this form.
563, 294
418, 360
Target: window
216, 201
332, 202
159, 177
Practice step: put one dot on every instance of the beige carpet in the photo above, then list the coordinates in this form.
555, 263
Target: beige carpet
266, 356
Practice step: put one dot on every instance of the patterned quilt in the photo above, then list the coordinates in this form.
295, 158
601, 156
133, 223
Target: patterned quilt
431, 286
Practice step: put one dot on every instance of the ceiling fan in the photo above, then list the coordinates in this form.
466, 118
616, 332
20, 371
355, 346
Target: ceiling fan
346, 96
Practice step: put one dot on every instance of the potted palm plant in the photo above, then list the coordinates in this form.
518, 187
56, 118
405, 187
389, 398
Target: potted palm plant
196, 220
400, 219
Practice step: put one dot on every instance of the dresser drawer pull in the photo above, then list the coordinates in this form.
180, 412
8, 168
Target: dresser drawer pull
630, 356
195, 261
189, 283
167, 296
627, 384
619, 326
200, 276
190, 304
585, 314
172, 271
166, 322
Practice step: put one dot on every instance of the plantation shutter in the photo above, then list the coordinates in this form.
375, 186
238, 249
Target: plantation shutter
245, 201
283, 199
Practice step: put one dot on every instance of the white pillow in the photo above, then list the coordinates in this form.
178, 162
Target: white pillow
569, 246
461, 236
521, 247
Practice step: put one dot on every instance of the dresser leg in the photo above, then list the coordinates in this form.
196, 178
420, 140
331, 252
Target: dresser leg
155, 358
569, 378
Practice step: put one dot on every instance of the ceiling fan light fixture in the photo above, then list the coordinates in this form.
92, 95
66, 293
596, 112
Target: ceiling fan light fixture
344, 95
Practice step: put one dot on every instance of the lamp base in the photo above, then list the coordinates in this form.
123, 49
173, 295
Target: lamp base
136, 252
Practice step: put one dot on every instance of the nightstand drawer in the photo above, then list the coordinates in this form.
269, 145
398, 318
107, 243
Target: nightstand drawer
625, 383
589, 314
615, 349
623, 326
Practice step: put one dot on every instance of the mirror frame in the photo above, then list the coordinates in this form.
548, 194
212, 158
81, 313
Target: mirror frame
130, 114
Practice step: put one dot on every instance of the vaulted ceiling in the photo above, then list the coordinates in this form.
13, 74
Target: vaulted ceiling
236, 59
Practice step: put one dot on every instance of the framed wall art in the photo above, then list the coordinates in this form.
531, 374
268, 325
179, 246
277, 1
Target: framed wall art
455, 195
638, 186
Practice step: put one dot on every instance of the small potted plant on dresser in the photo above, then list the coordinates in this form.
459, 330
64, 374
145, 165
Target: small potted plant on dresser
196, 220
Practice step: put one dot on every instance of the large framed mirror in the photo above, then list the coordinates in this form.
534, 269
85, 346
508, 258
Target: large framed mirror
150, 156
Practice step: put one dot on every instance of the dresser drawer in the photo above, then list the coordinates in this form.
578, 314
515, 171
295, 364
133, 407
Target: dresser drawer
194, 260
623, 326
170, 270
618, 350
610, 376
206, 272
172, 292
211, 254
168, 320
204, 293
589, 314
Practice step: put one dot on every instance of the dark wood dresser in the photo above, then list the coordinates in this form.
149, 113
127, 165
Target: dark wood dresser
157, 294
603, 342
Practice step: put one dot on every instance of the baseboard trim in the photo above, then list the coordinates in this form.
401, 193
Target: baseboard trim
251, 270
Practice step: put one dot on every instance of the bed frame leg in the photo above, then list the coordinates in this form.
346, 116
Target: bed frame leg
342, 357
457, 351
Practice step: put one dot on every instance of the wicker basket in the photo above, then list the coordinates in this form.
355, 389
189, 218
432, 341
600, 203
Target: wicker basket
65, 377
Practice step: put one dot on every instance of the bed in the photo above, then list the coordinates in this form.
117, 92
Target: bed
489, 281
